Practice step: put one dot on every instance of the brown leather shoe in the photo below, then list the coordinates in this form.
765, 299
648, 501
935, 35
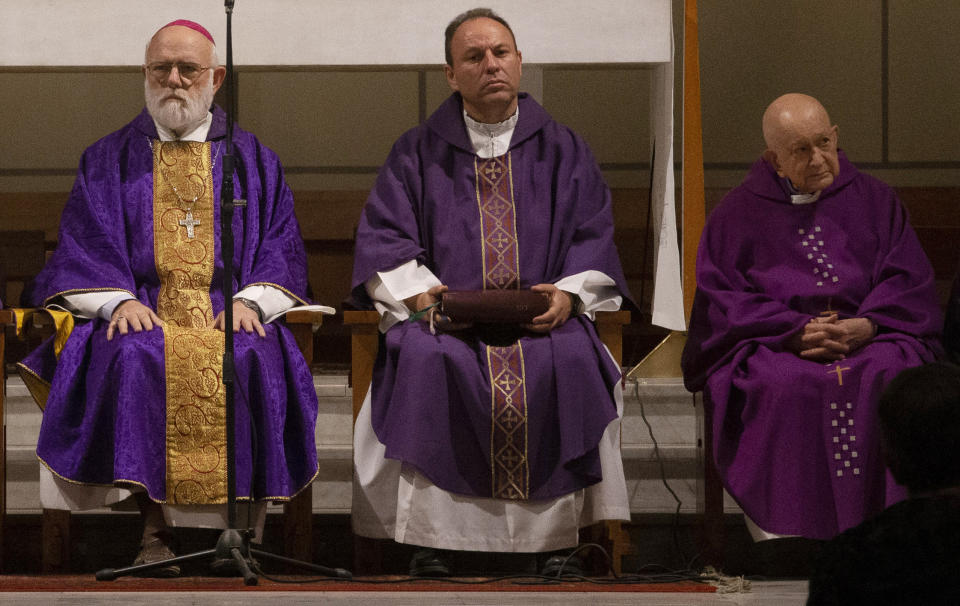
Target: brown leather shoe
156, 549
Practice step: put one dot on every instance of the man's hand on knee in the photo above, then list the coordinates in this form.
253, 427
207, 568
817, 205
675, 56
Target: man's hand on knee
243, 317
132, 315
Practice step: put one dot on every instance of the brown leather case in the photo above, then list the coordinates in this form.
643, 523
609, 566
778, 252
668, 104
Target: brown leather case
493, 306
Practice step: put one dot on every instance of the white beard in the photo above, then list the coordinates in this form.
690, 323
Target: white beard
179, 115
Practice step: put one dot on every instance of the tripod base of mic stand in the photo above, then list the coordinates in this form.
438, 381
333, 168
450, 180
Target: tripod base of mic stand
231, 557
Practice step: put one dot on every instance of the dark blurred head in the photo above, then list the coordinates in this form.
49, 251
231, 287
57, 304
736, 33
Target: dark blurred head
920, 427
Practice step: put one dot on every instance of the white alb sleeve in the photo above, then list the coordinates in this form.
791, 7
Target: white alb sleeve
272, 301
388, 289
88, 304
596, 290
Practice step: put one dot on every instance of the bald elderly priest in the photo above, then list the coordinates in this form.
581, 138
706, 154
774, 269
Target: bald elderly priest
135, 395
798, 326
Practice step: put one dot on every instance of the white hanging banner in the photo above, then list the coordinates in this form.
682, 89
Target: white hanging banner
667, 306
331, 32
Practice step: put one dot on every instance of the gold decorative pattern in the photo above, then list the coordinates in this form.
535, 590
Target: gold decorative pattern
498, 224
196, 416
509, 464
185, 265
196, 429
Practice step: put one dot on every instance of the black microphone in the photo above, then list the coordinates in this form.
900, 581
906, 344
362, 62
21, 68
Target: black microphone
228, 4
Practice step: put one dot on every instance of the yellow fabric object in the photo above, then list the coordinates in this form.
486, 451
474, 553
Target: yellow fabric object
63, 323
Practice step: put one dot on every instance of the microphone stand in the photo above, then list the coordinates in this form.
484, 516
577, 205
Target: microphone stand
232, 554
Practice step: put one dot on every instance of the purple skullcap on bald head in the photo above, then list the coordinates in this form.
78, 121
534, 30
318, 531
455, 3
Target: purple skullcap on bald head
192, 25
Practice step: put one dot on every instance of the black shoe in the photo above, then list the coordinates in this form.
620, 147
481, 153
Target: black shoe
428, 562
562, 562
156, 549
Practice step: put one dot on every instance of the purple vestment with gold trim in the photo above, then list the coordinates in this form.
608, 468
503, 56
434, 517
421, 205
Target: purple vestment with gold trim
797, 441
105, 419
488, 412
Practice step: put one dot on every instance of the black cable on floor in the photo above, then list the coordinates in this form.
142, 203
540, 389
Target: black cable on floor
663, 475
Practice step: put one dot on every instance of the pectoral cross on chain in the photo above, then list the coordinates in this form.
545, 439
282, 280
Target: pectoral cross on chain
189, 223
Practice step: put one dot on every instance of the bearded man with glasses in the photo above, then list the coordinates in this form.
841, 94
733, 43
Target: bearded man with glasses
133, 397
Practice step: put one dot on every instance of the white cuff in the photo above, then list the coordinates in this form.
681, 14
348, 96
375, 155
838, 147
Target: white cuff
272, 301
87, 305
596, 290
388, 289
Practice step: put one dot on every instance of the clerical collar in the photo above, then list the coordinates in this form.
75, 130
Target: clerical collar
197, 134
491, 140
797, 198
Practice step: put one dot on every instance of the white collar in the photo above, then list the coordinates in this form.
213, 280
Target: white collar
799, 199
197, 134
492, 130
491, 140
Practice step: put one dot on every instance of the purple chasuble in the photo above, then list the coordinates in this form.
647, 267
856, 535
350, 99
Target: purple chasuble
797, 441
104, 420
535, 215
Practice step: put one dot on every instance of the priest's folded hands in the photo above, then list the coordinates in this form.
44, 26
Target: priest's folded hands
829, 338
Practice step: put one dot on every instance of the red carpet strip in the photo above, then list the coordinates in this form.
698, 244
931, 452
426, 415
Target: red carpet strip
72, 583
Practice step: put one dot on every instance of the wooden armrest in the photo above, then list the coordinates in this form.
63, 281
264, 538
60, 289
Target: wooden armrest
303, 323
610, 330
361, 317
364, 341
295, 316
613, 318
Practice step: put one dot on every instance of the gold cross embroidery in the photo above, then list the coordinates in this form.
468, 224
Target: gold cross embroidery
510, 420
839, 372
493, 170
507, 383
510, 459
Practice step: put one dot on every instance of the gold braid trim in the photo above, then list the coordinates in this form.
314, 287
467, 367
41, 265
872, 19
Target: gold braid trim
278, 287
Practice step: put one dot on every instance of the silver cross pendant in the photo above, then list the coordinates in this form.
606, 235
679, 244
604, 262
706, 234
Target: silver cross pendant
189, 223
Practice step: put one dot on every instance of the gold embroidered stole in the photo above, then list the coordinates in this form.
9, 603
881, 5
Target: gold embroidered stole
196, 420
509, 464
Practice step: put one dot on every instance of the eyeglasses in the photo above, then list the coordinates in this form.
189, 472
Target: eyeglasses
188, 71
